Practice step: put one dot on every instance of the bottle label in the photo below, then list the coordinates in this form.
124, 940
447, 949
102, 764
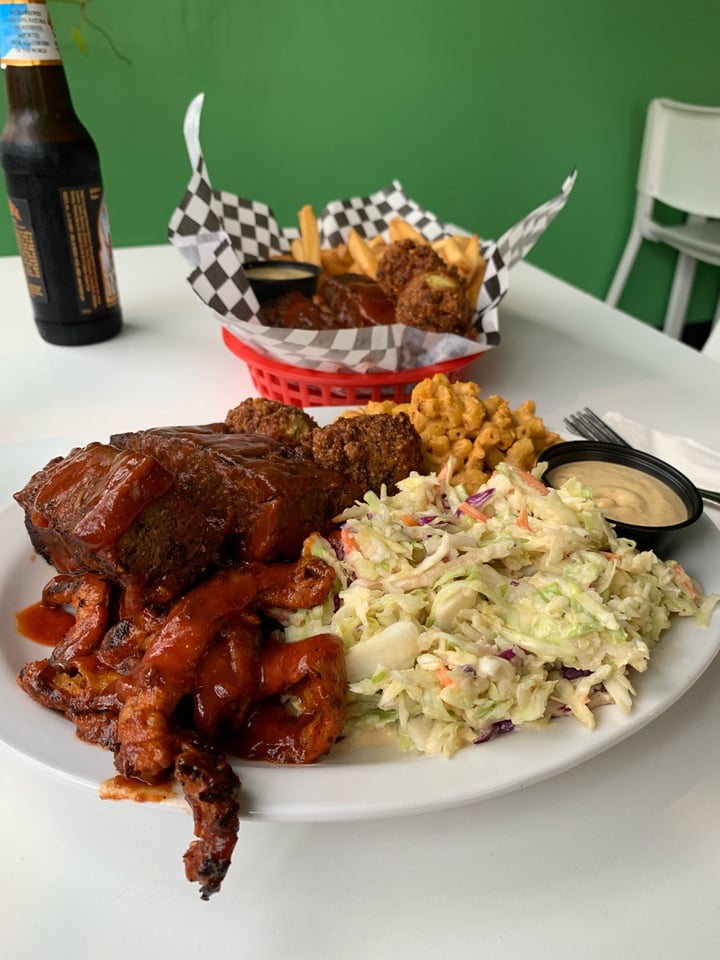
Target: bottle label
88, 233
27, 38
22, 221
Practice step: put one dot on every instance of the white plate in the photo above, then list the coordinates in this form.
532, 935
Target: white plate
355, 785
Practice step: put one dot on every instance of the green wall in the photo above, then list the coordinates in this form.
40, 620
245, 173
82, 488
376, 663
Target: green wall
480, 109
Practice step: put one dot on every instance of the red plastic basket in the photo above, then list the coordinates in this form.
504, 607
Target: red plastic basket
310, 388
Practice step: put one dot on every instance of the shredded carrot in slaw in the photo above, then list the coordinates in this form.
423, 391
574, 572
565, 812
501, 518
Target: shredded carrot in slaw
522, 519
473, 512
533, 482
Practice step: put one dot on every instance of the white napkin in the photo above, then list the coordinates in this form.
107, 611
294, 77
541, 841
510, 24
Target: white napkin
699, 463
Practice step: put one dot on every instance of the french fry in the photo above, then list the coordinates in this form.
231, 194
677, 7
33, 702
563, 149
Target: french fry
477, 264
452, 251
399, 229
473, 256
473, 287
378, 245
472, 245
335, 260
297, 249
440, 245
361, 253
310, 235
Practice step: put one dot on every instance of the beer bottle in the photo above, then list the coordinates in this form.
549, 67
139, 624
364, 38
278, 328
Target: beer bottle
52, 173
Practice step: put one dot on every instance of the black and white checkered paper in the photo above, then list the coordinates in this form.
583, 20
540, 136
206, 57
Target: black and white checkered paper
217, 232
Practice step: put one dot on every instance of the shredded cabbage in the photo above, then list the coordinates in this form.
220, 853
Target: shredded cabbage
463, 617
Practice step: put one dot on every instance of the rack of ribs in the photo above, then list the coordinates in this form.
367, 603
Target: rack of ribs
155, 510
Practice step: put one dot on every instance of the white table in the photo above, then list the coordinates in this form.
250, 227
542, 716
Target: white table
618, 858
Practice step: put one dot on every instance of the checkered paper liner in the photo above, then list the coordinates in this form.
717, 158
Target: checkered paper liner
217, 232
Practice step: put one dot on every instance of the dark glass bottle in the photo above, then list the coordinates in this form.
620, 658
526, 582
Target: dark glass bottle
54, 186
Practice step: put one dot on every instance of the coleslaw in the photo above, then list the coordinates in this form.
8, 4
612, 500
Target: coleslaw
464, 616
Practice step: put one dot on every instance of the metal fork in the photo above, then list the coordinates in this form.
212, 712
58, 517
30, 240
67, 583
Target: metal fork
586, 423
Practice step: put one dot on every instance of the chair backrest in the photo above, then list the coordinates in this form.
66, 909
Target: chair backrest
680, 158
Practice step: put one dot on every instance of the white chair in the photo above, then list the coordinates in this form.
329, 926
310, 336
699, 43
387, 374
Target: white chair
680, 167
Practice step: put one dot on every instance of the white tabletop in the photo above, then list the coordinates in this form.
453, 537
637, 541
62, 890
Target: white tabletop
619, 857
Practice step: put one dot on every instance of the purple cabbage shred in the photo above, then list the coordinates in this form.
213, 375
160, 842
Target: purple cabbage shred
571, 673
478, 499
496, 730
338, 548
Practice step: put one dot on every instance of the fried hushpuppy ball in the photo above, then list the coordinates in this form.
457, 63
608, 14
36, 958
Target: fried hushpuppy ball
368, 451
435, 302
402, 260
282, 422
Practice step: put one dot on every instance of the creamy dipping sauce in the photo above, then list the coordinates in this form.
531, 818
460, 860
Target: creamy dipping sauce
276, 273
624, 493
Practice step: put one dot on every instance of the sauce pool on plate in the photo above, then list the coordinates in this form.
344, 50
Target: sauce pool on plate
624, 493
43, 624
